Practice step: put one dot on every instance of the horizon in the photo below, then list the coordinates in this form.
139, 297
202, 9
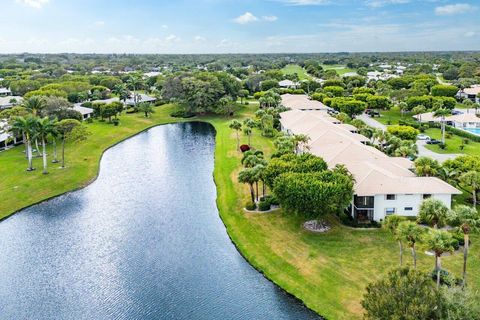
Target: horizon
233, 27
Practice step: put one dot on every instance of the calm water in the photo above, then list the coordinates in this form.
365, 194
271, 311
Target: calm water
144, 241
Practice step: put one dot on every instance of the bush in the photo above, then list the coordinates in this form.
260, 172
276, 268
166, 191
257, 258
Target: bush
115, 122
264, 205
244, 147
404, 132
182, 114
442, 146
251, 206
446, 278
348, 220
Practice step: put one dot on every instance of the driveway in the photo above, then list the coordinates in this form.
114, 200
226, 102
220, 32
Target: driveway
372, 122
440, 157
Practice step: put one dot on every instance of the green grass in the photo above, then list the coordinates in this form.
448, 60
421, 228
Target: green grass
341, 69
453, 143
328, 272
294, 68
393, 116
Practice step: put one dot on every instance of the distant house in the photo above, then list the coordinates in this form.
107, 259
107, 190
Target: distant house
302, 102
6, 138
130, 101
288, 84
472, 93
86, 112
5, 92
9, 101
468, 119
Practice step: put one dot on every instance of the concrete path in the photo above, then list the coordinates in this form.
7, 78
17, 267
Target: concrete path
372, 122
440, 157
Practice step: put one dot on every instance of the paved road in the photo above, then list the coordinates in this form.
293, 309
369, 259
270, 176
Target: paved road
422, 151
440, 157
372, 122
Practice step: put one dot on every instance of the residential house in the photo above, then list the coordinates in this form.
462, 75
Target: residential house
5, 92
383, 185
288, 84
466, 119
302, 102
472, 93
86, 112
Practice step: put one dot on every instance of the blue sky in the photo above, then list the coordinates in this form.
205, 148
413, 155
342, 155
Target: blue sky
238, 26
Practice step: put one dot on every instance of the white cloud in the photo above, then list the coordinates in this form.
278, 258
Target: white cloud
270, 18
37, 4
452, 9
200, 39
99, 23
245, 18
382, 3
172, 38
164, 26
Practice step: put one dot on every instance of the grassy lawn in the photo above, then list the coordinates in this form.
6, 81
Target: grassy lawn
295, 68
392, 116
453, 144
328, 272
341, 69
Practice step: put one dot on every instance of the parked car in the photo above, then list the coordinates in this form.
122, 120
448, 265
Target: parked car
423, 137
456, 112
433, 141
372, 113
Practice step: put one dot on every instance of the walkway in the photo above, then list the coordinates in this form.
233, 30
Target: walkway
372, 122
440, 157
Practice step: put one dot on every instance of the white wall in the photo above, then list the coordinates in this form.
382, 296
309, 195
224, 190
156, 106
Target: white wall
402, 201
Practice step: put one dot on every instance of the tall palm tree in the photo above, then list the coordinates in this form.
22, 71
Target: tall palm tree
471, 179
27, 127
442, 113
391, 223
45, 126
439, 242
54, 134
301, 140
249, 176
135, 83
411, 233
237, 126
426, 167
121, 91
467, 220
146, 108
250, 124
433, 212
34, 104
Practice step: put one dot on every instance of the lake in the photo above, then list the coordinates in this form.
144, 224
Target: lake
144, 241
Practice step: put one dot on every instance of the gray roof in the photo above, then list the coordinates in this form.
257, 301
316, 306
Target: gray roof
82, 110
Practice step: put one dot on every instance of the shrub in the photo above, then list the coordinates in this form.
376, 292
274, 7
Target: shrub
404, 132
442, 146
442, 90
264, 205
115, 122
182, 114
446, 278
251, 206
244, 147
349, 221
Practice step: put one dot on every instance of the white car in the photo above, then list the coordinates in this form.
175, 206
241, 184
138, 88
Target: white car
423, 137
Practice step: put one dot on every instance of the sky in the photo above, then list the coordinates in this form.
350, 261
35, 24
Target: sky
238, 26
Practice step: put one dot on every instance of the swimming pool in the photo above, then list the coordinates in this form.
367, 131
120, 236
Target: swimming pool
473, 130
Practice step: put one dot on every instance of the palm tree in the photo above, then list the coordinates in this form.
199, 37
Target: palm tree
439, 242
34, 104
237, 126
448, 175
122, 92
301, 140
54, 134
255, 160
471, 179
249, 176
426, 167
250, 124
391, 223
467, 220
64, 128
411, 233
135, 82
27, 128
433, 212
442, 113
146, 108
44, 128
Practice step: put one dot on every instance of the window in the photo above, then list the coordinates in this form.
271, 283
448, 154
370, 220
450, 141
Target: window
390, 211
391, 197
408, 209
426, 196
